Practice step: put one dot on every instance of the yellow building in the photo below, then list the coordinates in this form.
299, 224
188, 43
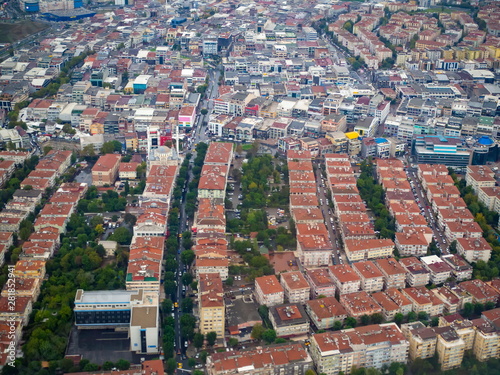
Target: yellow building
450, 348
211, 304
487, 340
422, 340
212, 312
463, 327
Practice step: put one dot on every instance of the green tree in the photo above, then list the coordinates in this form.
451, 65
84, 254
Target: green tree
187, 257
187, 305
411, 316
111, 147
233, 342
191, 362
198, 340
47, 149
398, 319
123, 365
171, 366
350, 322
337, 325
121, 235
257, 332
269, 336
468, 310
211, 338
187, 278
68, 129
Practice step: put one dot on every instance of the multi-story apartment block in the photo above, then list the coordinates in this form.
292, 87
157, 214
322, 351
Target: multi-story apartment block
480, 291
287, 359
486, 340
416, 273
440, 271
368, 249
424, 300
376, 345
297, 289
392, 302
345, 279
324, 312
479, 176
268, 291
359, 303
372, 279
321, 282
289, 320
450, 348
211, 305
474, 249
422, 339
394, 273
105, 170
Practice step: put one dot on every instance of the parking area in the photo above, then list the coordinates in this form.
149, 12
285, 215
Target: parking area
101, 345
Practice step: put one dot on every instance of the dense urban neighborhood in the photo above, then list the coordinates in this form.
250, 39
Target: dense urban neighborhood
252, 187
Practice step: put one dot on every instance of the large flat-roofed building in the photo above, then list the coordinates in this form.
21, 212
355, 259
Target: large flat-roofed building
105, 170
136, 310
452, 152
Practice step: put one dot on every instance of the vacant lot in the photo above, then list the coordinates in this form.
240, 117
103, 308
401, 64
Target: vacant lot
12, 32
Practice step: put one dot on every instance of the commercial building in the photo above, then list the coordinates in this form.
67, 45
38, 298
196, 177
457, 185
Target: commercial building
135, 310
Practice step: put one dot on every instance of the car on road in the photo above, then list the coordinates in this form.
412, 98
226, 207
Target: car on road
179, 365
176, 304
185, 344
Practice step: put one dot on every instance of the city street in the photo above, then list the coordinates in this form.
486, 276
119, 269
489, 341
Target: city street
427, 210
327, 213
198, 135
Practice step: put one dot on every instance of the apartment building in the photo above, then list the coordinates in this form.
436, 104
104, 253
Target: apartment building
105, 170
289, 320
268, 291
376, 345
450, 348
324, 312
479, 176
424, 300
211, 305
321, 282
296, 287
289, 358
474, 249
372, 279
463, 327
411, 243
422, 340
394, 273
360, 303
416, 273
439, 270
392, 302
486, 340
346, 280
460, 269
480, 291
368, 249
